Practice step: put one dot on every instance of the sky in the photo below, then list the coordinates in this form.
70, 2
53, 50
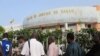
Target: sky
20, 9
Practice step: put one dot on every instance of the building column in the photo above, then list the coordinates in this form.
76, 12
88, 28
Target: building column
83, 26
66, 26
97, 26
80, 26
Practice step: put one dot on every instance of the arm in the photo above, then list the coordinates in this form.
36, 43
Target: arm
42, 50
1, 53
10, 52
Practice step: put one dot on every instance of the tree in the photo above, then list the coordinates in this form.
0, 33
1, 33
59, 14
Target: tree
2, 30
84, 38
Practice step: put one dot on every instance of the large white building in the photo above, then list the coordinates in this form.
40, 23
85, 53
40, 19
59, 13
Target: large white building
69, 18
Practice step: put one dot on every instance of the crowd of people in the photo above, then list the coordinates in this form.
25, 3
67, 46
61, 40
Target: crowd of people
33, 47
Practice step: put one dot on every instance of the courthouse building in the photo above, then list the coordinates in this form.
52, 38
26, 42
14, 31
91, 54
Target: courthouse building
66, 18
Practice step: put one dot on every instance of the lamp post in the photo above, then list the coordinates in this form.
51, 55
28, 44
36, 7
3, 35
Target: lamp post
11, 22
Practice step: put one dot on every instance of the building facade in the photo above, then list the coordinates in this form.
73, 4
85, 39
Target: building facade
74, 18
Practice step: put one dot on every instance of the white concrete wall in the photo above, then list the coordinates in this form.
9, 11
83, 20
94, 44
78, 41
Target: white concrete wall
62, 15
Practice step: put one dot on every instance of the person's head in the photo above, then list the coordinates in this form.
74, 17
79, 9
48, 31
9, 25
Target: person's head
51, 39
96, 37
70, 37
5, 35
21, 39
34, 35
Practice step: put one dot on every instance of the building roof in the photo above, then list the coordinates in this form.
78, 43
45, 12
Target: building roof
63, 15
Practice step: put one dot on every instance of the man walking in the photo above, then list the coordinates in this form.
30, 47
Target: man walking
33, 47
6, 45
73, 48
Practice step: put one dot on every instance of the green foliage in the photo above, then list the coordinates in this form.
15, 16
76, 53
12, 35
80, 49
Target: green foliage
58, 35
2, 30
43, 36
84, 37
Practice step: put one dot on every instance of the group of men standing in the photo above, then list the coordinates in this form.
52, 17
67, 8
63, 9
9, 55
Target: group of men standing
33, 47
